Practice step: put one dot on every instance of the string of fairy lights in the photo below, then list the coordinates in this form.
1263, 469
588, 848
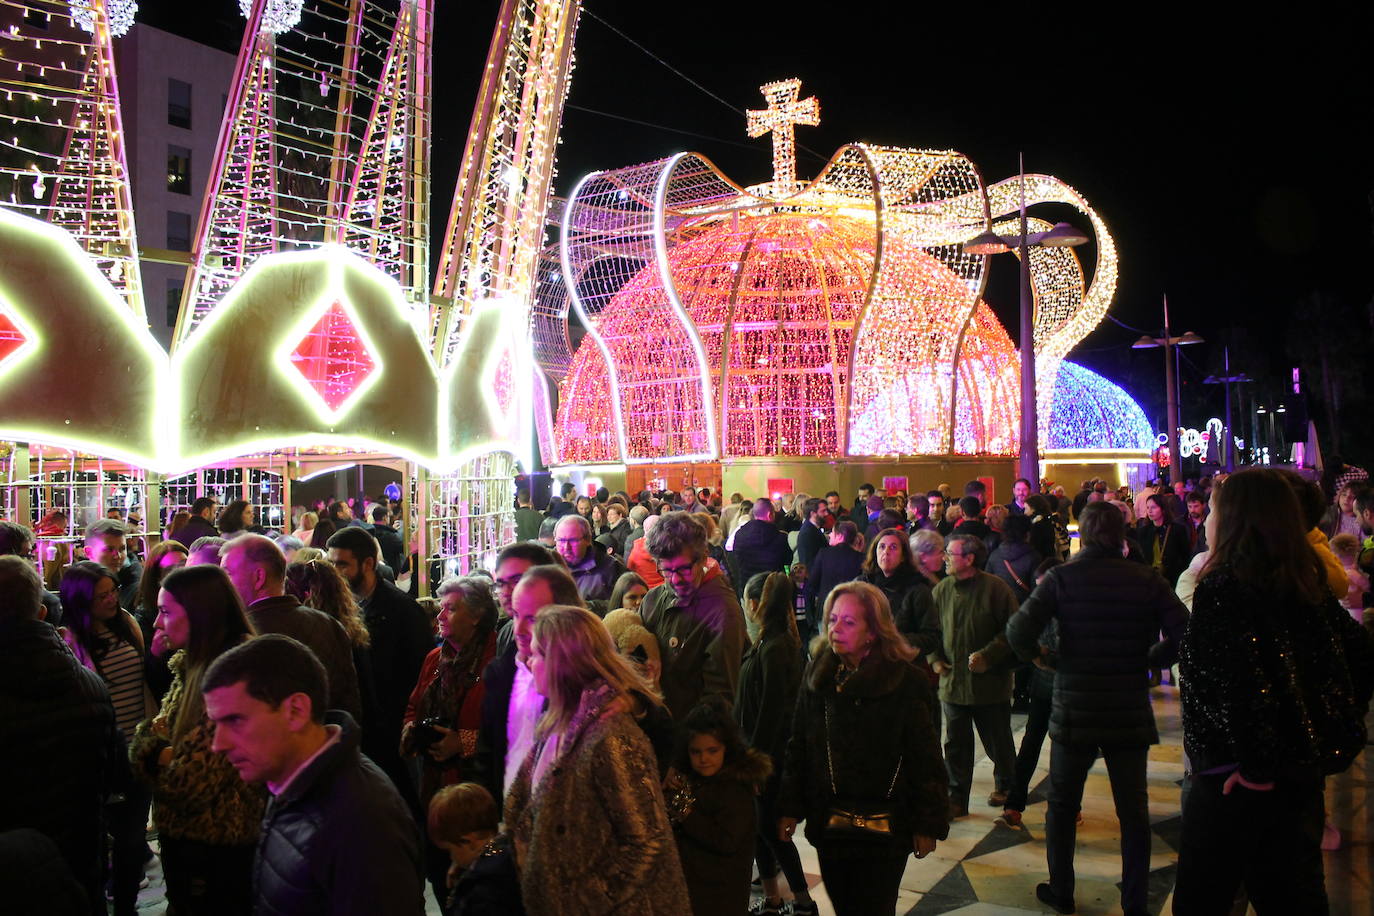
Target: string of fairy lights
62, 156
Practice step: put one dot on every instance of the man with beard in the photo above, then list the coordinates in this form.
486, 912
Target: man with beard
402, 636
695, 616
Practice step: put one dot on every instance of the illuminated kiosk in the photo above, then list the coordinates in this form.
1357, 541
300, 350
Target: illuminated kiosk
823, 333
308, 337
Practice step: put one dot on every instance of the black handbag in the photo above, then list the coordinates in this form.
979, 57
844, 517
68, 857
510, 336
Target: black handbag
853, 818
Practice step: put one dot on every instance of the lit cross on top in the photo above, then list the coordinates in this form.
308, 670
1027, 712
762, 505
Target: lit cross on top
783, 113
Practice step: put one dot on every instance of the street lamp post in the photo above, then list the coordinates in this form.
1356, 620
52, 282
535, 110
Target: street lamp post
1227, 379
1061, 235
1170, 386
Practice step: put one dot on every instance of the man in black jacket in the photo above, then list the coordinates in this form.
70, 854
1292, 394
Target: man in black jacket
257, 567
56, 715
760, 547
201, 523
388, 538
811, 539
402, 636
1110, 612
337, 837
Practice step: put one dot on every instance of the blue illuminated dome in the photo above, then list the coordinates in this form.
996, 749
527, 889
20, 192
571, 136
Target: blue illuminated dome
1091, 412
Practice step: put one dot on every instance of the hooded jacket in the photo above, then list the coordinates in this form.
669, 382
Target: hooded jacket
880, 717
715, 834
339, 840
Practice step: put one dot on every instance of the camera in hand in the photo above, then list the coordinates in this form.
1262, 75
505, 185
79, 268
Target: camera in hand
426, 735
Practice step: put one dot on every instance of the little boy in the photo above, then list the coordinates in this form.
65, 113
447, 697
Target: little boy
463, 822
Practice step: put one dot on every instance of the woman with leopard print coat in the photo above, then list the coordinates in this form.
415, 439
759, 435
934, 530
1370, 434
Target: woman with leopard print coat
207, 818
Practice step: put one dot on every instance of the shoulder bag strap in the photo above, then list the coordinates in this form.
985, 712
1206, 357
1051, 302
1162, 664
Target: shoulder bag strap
1012, 572
830, 761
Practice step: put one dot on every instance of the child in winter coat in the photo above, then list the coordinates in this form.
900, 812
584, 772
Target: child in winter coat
710, 793
482, 879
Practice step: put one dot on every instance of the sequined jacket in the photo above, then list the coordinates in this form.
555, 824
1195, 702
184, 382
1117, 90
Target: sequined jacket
593, 837
198, 795
1259, 671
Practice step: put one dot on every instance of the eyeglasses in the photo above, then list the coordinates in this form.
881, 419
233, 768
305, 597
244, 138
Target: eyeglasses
508, 583
677, 572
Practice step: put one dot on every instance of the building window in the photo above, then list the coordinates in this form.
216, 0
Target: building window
178, 231
178, 170
173, 302
178, 103
37, 19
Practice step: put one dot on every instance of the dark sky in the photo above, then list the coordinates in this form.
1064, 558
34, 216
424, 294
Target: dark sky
1229, 154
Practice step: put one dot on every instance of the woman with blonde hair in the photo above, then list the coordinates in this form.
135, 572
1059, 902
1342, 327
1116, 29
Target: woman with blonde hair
308, 522
715, 541
863, 765
586, 811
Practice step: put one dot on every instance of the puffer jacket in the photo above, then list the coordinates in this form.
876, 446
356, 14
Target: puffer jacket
56, 715
881, 716
339, 840
1110, 611
594, 834
715, 833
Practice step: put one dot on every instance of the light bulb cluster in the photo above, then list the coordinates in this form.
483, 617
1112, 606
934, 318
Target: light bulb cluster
278, 16
119, 14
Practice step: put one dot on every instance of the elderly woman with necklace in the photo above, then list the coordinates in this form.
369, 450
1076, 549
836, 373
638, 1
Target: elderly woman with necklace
863, 765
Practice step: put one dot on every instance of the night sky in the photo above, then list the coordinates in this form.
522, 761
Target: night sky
1230, 157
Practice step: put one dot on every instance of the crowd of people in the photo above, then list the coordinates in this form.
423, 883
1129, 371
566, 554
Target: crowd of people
640, 703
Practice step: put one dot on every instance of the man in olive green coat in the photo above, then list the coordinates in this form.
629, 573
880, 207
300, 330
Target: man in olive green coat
963, 637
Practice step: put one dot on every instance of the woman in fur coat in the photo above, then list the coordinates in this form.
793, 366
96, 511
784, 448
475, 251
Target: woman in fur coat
586, 811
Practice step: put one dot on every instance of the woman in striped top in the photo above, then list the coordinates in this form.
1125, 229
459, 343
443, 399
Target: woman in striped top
106, 639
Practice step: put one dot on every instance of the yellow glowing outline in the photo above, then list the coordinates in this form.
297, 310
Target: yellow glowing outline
292, 375
336, 259
81, 265
491, 360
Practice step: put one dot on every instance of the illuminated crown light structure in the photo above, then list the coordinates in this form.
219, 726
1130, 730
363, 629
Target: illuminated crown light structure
833, 319
308, 337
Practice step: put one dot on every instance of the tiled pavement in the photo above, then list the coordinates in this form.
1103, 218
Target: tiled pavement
986, 870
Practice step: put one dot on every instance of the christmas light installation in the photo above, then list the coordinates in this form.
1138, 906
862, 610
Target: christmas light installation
118, 13
307, 324
829, 319
62, 155
278, 16
325, 139
1092, 412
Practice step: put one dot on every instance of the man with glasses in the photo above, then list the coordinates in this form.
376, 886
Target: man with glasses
591, 564
695, 616
964, 638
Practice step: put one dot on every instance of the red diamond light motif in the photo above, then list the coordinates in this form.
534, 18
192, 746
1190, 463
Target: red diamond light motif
333, 357
11, 338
